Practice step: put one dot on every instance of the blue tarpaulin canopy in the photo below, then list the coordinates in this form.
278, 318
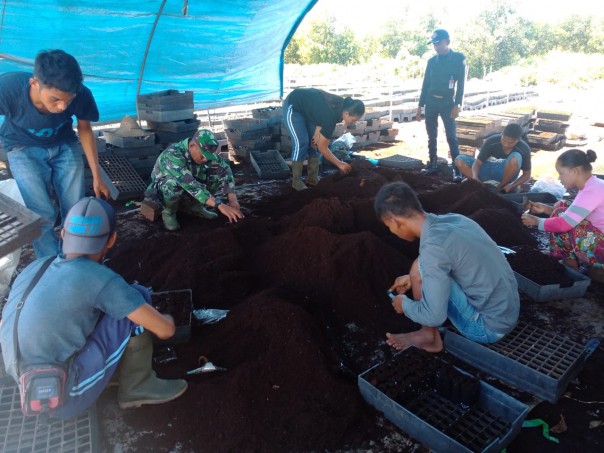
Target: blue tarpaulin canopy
226, 51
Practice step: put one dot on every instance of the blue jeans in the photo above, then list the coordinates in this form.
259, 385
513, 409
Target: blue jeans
492, 169
47, 177
434, 109
301, 133
94, 365
466, 319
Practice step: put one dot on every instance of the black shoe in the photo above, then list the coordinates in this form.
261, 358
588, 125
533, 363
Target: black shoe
457, 176
431, 169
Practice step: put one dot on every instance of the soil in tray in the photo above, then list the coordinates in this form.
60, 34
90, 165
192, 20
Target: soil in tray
538, 267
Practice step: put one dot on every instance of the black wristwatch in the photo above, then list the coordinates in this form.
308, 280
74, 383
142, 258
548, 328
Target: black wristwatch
217, 202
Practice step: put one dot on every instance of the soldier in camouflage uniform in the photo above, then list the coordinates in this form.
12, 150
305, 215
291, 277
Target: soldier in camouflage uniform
191, 175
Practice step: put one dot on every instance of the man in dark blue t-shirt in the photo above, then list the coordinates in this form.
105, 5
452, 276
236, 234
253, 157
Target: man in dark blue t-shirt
500, 159
44, 154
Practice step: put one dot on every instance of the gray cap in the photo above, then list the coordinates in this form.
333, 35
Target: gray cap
88, 226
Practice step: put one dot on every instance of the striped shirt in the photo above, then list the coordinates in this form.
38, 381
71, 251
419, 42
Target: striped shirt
588, 205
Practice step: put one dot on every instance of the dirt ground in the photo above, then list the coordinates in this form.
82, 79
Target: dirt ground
304, 277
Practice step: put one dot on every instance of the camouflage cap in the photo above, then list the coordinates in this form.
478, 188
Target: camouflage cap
206, 140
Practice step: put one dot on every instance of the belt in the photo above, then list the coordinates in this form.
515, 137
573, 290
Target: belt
437, 96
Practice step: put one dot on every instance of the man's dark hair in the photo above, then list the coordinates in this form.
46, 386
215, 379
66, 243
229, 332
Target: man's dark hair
57, 69
398, 199
354, 107
513, 130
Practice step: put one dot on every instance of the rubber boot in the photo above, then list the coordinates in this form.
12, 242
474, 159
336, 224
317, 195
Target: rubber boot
297, 182
313, 171
138, 383
199, 211
168, 215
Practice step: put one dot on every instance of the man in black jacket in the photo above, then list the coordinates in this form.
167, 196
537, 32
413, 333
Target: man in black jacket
442, 95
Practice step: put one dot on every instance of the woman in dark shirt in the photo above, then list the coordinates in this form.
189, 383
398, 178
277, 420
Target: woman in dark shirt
311, 115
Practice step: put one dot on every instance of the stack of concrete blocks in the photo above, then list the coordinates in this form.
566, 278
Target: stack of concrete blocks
472, 130
169, 114
274, 118
475, 102
378, 127
140, 152
358, 131
247, 134
406, 112
550, 129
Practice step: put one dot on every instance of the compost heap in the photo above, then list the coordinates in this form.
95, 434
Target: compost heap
305, 278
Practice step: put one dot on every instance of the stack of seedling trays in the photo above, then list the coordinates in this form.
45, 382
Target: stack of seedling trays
273, 117
165, 106
399, 161
179, 304
20, 434
169, 113
247, 134
136, 145
18, 225
528, 358
269, 164
545, 125
543, 278
442, 406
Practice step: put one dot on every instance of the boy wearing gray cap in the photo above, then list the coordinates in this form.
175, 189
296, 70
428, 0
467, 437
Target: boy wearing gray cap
85, 316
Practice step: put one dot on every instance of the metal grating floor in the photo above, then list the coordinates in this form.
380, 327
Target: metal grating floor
18, 225
539, 349
474, 427
123, 176
19, 434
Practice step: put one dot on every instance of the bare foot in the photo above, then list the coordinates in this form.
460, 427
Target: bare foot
426, 338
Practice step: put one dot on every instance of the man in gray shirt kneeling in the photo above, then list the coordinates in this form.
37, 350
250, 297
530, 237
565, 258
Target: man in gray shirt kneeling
460, 274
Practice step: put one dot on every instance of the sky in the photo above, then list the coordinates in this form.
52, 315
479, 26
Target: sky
366, 17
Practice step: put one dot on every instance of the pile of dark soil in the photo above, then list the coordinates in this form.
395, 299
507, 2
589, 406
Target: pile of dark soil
538, 267
305, 278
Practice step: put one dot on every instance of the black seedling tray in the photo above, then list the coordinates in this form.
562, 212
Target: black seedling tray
18, 225
398, 161
178, 304
269, 164
440, 405
528, 358
20, 434
123, 176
